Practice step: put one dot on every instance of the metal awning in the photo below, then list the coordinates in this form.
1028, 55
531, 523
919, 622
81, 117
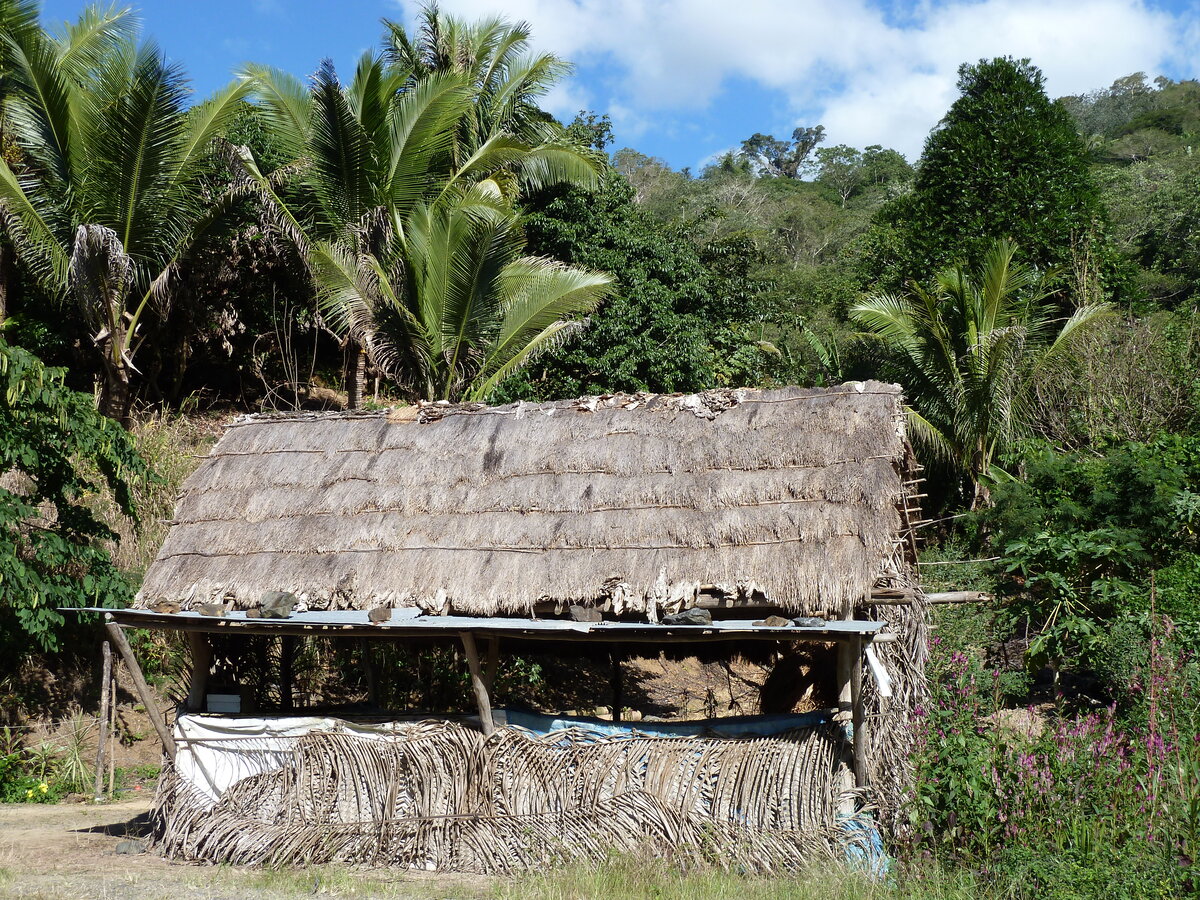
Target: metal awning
411, 623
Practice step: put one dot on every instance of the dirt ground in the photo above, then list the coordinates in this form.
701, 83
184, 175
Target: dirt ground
67, 851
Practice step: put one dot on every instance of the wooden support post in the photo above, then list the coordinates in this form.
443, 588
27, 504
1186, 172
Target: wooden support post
364, 646
618, 686
102, 731
858, 714
139, 683
202, 658
112, 733
287, 656
492, 667
482, 700
845, 666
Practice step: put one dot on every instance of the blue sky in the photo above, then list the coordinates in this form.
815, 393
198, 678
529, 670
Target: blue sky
687, 79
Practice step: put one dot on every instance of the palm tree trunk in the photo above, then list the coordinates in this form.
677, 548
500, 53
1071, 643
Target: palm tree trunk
5, 279
356, 375
981, 465
114, 393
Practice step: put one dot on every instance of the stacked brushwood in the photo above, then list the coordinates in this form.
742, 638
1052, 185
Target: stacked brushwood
440, 796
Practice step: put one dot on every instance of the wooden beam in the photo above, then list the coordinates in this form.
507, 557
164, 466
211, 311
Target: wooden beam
139, 683
482, 700
958, 597
202, 657
936, 598
392, 633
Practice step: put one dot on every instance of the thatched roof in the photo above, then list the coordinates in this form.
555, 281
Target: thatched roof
635, 501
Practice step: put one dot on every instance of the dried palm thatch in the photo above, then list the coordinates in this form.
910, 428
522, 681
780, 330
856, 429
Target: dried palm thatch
632, 502
639, 504
440, 796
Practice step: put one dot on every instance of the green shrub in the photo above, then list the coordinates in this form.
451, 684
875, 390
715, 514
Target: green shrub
1075, 802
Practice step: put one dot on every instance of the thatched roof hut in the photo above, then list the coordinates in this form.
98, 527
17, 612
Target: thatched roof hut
792, 497
482, 524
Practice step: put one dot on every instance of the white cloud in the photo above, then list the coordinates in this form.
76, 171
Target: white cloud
867, 76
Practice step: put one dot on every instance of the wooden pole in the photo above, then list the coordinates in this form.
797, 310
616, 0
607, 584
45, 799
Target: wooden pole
482, 700
492, 667
102, 733
202, 657
618, 694
859, 718
287, 656
364, 647
139, 684
112, 733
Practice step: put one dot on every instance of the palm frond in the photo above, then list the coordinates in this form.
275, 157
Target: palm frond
342, 161
38, 107
136, 129
537, 294
553, 164
927, 435
206, 122
421, 126
83, 44
101, 276
34, 237
553, 335
285, 105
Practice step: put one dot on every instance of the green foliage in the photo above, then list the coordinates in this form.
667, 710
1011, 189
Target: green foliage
681, 317
1056, 805
1081, 537
104, 198
44, 772
1128, 381
782, 159
59, 452
853, 174
1154, 207
968, 354
406, 213
1005, 162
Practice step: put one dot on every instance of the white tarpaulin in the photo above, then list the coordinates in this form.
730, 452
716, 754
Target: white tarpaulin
216, 752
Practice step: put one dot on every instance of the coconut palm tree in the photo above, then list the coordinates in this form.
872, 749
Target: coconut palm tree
451, 306
380, 156
493, 56
109, 196
968, 353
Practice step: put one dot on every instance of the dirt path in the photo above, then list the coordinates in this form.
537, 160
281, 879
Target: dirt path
68, 852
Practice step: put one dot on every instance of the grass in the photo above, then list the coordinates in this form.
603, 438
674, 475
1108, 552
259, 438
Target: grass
629, 879
335, 881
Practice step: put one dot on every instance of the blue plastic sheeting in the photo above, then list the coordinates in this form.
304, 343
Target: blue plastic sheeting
740, 726
864, 844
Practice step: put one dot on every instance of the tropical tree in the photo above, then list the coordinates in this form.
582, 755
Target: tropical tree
109, 196
969, 352
492, 55
1004, 162
18, 24
56, 452
451, 304
389, 153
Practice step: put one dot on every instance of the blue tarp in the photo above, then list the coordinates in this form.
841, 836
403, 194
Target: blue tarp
739, 726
